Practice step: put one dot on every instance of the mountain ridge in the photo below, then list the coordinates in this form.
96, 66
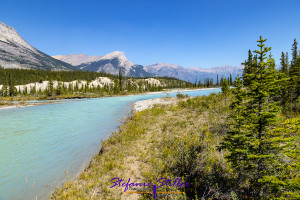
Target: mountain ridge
110, 63
15, 52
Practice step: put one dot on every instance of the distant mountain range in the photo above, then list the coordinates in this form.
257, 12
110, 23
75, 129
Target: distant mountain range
15, 52
193, 74
111, 63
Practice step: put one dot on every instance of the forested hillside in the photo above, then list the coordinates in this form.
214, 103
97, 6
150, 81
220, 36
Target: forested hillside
49, 84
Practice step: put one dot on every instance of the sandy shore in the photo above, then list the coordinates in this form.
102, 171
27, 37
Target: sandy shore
179, 90
5, 107
13, 106
149, 103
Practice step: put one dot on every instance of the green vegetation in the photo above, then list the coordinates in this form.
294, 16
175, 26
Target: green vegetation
60, 84
243, 143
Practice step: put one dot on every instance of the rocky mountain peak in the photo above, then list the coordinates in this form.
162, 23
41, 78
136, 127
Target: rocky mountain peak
15, 52
9, 35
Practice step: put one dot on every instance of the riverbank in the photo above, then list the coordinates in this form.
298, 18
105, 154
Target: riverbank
7, 103
164, 141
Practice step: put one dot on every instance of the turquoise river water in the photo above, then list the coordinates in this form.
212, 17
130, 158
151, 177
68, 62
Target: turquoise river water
40, 146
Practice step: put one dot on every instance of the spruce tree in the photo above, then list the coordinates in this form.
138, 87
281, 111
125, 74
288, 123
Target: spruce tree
236, 139
11, 85
50, 87
251, 149
225, 87
247, 67
284, 80
120, 79
294, 73
5, 85
294, 53
284, 67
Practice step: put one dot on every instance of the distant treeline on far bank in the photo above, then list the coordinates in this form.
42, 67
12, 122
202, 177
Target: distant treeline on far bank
31, 82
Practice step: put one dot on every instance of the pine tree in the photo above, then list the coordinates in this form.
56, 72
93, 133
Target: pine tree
294, 53
236, 137
252, 160
225, 87
120, 79
287, 60
284, 67
294, 73
217, 79
262, 114
50, 87
230, 79
11, 85
284, 81
247, 67
5, 85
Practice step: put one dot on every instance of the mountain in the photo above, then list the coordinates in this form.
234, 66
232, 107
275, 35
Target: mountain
15, 52
109, 63
192, 74
169, 70
77, 59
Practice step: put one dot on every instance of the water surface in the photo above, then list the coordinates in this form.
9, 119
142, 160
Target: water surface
40, 145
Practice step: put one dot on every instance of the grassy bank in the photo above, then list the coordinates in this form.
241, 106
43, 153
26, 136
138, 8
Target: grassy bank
165, 141
177, 141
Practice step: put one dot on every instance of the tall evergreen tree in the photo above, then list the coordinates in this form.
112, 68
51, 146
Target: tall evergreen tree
11, 85
287, 60
254, 157
294, 73
237, 136
5, 85
284, 81
120, 79
50, 87
294, 53
247, 66
225, 87
284, 66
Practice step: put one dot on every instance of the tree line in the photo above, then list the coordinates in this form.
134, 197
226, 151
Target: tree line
9, 78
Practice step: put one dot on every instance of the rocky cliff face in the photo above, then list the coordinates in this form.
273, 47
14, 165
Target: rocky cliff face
15, 52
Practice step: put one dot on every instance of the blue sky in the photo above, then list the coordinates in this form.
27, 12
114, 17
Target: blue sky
184, 32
